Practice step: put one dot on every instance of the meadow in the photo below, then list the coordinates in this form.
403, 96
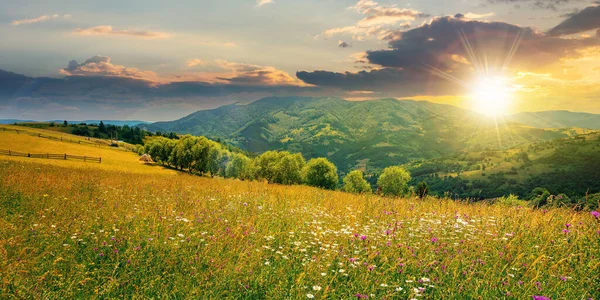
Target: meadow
124, 229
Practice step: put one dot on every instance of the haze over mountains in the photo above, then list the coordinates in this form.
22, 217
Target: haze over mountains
363, 134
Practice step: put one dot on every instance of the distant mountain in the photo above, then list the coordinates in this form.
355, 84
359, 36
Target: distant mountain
355, 134
12, 121
107, 122
557, 119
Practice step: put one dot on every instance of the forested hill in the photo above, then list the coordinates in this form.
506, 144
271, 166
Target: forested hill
557, 119
355, 134
568, 166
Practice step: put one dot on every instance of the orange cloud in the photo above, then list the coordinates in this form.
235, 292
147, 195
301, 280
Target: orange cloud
107, 30
39, 19
102, 66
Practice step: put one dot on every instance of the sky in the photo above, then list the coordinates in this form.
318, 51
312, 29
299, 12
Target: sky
157, 60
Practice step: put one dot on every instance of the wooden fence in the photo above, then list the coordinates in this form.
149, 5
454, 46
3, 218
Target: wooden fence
52, 156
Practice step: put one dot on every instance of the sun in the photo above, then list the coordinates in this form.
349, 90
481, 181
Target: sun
490, 96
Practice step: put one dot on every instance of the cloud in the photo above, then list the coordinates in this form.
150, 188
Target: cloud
535, 4
377, 14
104, 95
585, 20
263, 2
248, 74
39, 19
479, 16
433, 59
343, 44
195, 62
378, 21
102, 66
107, 30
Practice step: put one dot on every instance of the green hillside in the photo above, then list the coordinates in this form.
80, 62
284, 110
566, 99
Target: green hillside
570, 166
356, 134
557, 119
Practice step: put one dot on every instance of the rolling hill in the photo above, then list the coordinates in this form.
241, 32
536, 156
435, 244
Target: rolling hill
356, 134
569, 165
557, 119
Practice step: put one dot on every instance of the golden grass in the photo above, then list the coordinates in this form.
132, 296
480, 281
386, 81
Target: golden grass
112, 158
93, 233
122, 229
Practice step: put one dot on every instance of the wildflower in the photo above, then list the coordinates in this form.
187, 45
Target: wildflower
363, 237
595, 214
310, 296
568, 225
434, 239
565, 231
316, 288
563, 278
540, 298
323, 274
399, 289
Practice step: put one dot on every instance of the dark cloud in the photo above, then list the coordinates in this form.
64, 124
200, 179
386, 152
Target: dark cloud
585, 20
392, 81
343, 44
407, 68
536, 4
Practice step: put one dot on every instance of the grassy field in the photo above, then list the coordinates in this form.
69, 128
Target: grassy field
122, 229
115, 159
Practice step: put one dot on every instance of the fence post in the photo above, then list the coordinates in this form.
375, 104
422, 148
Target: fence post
9, 154
47, 155
100, 160
65, 156
84, 158
28, 154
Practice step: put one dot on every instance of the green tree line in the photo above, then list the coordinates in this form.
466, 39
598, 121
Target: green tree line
203, 156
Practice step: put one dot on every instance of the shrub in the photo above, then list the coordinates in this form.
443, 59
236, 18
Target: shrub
394, 181
354, 182
320, 172
422, 189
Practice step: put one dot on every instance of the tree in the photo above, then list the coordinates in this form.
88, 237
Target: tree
394, 181
355, 182
422, 189
65, 123
266, 165
181, 157
101, 127
320, 172
240, 167
289, 168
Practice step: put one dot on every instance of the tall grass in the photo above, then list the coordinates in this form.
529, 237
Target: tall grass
67, 232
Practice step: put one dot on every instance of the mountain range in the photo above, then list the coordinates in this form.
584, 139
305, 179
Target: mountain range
106, 122
369, 135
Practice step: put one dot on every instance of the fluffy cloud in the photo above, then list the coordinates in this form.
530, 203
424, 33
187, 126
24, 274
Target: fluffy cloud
436, 57
248, 74
108, 30
585, 20
377, 14
39, 19
102, 66
263, 2
378, 21
195, 62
